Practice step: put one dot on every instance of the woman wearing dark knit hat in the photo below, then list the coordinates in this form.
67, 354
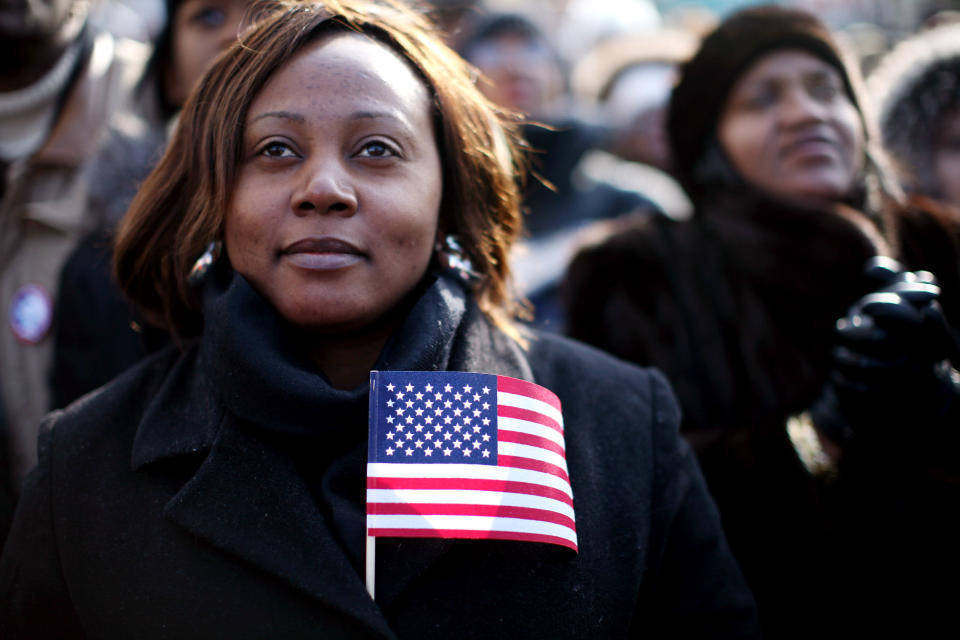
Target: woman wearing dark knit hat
798, 318
916, 89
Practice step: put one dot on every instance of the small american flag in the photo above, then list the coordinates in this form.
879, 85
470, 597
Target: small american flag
466, 455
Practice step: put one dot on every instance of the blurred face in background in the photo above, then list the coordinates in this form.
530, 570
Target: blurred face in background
201, 30
33, 34
790, 129
946, 157
521, 72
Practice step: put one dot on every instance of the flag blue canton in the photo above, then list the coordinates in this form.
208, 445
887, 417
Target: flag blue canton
434, 417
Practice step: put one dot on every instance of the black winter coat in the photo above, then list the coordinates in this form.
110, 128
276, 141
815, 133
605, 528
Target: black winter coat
199, 496
738, 308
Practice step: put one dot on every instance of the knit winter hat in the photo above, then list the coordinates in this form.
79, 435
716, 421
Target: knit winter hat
725, 54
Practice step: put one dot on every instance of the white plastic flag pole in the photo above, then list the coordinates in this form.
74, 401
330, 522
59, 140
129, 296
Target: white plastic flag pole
371, 563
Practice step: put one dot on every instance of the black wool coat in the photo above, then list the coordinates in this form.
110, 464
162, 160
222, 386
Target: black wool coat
157, 512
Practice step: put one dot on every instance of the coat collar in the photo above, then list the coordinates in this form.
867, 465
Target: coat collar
248, 498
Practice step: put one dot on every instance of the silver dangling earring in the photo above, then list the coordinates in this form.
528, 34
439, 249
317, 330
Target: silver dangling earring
200, 268
450, 255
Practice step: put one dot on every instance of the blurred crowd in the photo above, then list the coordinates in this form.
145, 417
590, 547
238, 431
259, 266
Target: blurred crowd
804, 309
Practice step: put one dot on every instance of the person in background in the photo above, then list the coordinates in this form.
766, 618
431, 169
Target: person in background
218, 489
62, 81
521, 71
916, 91
805, 316
97, 333
629, 79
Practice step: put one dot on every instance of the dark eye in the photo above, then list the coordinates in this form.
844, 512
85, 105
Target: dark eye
276, 149
209, 17
824, 89
761, 98
377, 149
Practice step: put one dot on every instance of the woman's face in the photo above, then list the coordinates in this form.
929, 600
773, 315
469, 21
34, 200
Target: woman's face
334, 214
790, 129
520, 72
201, 30
946, 157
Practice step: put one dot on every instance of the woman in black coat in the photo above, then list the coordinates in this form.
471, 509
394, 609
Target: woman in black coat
217, 489
831, 448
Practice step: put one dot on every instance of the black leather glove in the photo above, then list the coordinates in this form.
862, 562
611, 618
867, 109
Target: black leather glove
894, 382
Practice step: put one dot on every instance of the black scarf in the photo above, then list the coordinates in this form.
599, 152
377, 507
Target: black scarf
261, 373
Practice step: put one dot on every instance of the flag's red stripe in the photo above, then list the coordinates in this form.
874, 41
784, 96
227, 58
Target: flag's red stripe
505, 411
488, 510
524, 388
533, 465
468, 484
518, 437
468, 533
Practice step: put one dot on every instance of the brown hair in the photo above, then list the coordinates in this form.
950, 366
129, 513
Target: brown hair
182, 205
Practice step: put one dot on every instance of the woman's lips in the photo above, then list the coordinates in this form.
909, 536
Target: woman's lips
811, 146
322, 254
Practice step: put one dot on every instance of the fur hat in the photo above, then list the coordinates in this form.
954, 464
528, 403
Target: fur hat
912, 88
726, 53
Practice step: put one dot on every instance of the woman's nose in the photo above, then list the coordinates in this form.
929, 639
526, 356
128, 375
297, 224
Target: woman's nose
799, 107
326, 189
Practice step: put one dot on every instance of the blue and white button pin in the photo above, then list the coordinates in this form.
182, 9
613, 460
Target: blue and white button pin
31, 313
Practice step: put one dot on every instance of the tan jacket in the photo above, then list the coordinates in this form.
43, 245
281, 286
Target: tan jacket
43, 213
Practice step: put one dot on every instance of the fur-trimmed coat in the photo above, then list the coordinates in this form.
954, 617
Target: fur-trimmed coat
738, 307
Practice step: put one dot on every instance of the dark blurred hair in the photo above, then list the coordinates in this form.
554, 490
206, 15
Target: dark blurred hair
182, 205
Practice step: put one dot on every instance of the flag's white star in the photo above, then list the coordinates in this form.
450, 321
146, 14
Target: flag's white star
476, 428
447, 451
419, 396
419, 444
467, 420
476, 397
428, 404
390, 451
418, 427
390, 387
409, 387
409, 452
447, 419
409, 419
409, 435
457, 396
457, 444
399, 395
486, 421
476, 444
486, 454
447, 388
457, 412
399, 411
389, 419
466, 453
457, 428
428, 436
486, 437
486, 405
389, 403
447, 435
409, 403
419, 411
429, 388
428, 452
486, 390
467, 388
390, 435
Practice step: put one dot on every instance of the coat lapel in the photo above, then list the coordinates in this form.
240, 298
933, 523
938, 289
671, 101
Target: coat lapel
247, 498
